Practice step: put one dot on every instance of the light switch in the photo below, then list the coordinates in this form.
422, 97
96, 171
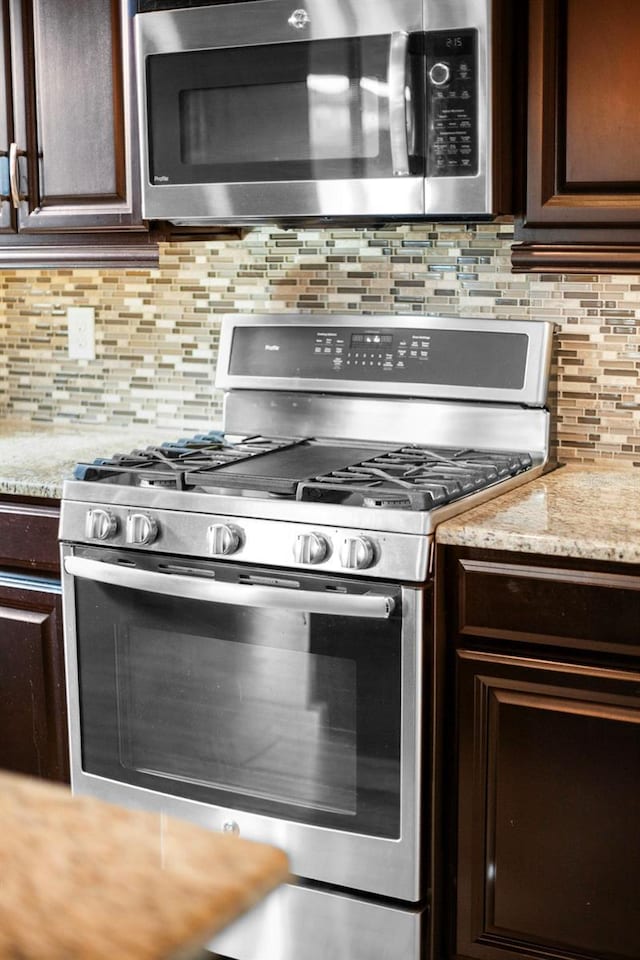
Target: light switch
82, 333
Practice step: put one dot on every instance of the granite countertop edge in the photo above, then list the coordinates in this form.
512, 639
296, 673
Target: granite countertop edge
589, 511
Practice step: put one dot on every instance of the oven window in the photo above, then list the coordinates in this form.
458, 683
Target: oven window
274, 723
293, 111
271, 711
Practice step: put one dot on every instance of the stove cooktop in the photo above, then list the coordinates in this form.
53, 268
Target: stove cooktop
380, 476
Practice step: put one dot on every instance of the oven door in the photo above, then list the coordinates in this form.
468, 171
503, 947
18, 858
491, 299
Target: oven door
277, 705
256, 111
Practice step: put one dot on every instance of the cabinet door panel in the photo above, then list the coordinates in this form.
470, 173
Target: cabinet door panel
583, 164
74, 113
32, 699
548, 839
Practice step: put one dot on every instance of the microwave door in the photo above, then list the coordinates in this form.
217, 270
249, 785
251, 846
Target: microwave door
314, 128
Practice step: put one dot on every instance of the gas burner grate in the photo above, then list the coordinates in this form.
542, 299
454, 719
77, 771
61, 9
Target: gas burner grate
415, 478
177, 465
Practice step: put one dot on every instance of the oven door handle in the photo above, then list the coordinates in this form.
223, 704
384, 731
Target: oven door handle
369, 606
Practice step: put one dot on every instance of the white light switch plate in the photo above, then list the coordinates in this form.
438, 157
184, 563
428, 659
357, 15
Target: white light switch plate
82, 333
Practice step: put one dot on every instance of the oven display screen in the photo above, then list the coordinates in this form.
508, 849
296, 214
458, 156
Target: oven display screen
371, 339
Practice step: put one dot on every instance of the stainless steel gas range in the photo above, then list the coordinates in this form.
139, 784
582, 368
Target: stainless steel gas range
248, 613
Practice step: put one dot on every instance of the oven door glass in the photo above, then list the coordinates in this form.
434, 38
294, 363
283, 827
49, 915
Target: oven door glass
268, 709
314, 110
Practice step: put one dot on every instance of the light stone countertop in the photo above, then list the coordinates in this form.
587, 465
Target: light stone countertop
591, 512
35, 458
90, 880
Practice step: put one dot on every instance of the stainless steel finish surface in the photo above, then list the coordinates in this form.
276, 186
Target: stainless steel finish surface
486, 427
533, 391
361, 862
267, 21
185, 531
374, 607
397, 82
299, 923
247, 24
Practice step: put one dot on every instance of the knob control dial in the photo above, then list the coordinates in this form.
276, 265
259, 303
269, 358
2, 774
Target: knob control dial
100, 525
439, 74
223, 539
311, 548
357, 553
141, 529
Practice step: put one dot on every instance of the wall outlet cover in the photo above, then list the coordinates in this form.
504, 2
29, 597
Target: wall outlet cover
82, 333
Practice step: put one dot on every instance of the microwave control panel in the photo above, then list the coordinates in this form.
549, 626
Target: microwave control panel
452, 103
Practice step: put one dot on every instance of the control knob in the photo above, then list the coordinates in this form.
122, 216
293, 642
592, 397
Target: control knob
357, 553
439, 74
141, 529
311, 548
223, 539
100, 524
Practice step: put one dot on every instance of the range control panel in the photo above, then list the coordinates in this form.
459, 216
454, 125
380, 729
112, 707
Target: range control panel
452, 109
379, 354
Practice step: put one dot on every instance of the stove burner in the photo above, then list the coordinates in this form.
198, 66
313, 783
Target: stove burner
415, 478
178, 465
409, 477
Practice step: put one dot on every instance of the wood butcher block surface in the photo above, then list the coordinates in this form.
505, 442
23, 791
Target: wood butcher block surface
84, 880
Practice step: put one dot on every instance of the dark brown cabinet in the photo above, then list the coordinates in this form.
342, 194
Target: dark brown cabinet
68, 134
543, 673
32, 690
582, 196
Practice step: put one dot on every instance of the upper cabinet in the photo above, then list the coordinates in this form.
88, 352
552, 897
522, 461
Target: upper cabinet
582, 204
68, 153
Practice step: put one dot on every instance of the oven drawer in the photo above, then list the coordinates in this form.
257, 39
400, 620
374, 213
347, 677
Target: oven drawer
549, 605
297, 921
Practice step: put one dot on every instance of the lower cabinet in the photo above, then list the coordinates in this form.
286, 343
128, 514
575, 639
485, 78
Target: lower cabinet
33, 715
32, 701
545, 731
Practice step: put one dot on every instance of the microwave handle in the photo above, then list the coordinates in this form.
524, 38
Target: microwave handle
397, 84
369, 606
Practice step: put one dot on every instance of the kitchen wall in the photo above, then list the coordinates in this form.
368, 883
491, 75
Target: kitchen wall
157, 330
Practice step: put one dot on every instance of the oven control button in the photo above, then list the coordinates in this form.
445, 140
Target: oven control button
141, 529
357, 553
310, 548
100, 525
223, 539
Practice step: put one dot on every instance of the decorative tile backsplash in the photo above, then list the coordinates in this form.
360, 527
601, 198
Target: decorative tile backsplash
157, 330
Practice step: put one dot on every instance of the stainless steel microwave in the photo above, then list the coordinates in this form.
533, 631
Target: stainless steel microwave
358, 110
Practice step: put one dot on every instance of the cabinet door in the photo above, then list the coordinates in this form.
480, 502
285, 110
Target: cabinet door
548, 834
74, 115
33, 738
583, 159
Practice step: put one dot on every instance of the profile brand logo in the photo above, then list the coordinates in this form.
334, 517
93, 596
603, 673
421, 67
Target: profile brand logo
272, 346
157, 179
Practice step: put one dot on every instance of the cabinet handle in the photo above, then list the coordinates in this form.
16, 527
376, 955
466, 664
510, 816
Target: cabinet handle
13, 175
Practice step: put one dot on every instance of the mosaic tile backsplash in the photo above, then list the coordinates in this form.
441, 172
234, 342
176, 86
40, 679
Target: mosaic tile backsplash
157, 330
